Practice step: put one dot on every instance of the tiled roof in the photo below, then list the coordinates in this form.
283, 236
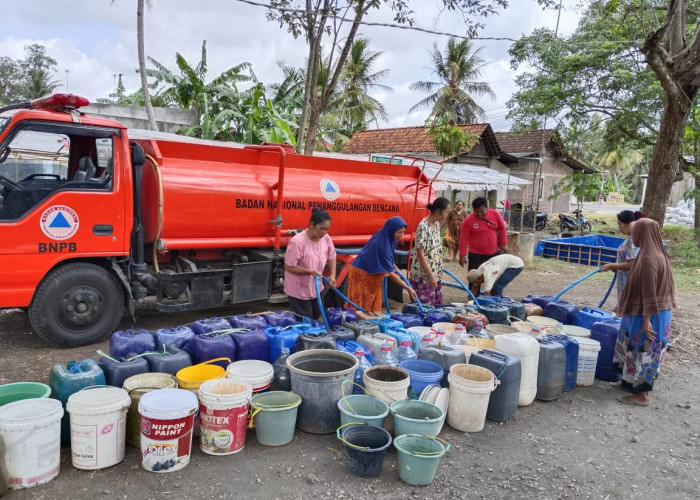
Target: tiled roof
400, 140
529, 141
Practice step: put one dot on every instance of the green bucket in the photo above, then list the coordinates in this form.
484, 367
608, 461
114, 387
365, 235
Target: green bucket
137, 386
274, 415
416, 417
419, 457
17, 391
362, 408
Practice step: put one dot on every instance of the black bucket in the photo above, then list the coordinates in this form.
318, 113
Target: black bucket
365, 446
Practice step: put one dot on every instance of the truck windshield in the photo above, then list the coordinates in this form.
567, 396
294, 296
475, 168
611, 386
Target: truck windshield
36, 162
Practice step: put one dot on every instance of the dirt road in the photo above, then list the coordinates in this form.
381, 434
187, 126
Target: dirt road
584, 445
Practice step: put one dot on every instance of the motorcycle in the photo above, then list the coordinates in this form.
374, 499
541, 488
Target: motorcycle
540, 219
569, 223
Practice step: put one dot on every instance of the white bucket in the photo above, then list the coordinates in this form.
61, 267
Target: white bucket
576, 331
223, 416
31, 430
257, 373
97, 426
387, 391
587, 359
470, 390
167, 417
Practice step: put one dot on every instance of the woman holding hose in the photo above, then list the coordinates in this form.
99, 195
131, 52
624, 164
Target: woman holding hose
373, 263
426, 263
645, 306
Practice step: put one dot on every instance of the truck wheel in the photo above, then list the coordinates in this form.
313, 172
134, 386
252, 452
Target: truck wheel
76, 304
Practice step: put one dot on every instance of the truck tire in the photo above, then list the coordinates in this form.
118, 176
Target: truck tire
76, 304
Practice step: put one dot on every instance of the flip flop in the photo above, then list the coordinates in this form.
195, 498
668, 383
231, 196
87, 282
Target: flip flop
626, 399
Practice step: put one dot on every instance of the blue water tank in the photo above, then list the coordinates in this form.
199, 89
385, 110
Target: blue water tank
589, 315
606, 333
540, 300
563, 311
504, 400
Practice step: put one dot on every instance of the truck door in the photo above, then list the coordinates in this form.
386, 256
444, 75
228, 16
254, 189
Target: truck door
61, 199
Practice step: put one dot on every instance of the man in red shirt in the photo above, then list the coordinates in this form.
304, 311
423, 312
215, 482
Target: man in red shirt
483, 233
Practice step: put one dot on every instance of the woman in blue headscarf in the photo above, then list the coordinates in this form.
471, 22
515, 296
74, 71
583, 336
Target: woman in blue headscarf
374, 262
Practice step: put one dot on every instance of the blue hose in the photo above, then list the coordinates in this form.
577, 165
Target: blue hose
569, 287
320, 302
460, 285
609, 290
405, 280
347, 251
342, 296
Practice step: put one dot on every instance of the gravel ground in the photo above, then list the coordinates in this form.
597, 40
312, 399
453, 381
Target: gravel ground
584, 445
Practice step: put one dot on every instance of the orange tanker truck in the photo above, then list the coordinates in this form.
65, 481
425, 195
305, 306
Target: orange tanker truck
94, 217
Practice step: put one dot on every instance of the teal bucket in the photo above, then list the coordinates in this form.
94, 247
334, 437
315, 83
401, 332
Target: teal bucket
274, 415
419, 457
9, 393
416, 417
362, 408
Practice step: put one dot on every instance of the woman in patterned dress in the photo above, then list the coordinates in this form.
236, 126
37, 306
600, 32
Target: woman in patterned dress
626, 252
454, 223
645, 306
426, 264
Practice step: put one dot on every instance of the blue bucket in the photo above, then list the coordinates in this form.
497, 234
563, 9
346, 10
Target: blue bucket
422, 373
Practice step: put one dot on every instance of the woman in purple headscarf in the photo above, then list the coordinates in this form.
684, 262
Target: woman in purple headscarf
374, 262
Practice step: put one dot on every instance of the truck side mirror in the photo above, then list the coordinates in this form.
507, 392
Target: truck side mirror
4, 154
138, 157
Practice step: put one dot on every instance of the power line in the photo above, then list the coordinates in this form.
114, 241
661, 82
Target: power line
429, 31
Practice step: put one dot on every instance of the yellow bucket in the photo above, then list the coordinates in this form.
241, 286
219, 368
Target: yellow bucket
194, 376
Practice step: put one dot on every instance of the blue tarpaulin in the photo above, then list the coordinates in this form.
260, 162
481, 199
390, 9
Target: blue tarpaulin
591, 250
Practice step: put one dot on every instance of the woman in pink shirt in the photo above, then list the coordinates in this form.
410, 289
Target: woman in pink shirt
307, 255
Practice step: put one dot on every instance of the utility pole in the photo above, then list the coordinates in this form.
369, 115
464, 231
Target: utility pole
67, 89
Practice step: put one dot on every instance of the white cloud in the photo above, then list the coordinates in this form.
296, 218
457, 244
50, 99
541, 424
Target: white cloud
96, 39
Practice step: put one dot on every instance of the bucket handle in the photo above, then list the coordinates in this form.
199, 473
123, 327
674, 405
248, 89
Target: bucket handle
343, 391
337, 433
261, 407
447, 447
213, 361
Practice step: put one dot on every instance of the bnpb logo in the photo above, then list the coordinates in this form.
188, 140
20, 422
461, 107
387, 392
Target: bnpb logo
59, 222
329, 189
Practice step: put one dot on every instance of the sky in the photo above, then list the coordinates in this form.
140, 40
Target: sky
95, 40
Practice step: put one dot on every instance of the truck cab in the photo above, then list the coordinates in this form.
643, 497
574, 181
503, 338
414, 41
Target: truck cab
65, 206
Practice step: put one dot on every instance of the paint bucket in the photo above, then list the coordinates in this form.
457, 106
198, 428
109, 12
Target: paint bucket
137, 386
97, 426
388, 383
167, 417
318, 376
275, 416
362, 408
9, 393
31, 430
419, 457
257, 373
192, 377
470, 389
223, 416
364, 446
416, 417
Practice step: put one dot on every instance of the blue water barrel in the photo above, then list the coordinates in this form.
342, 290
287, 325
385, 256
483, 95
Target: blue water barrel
540, 300
171, 361
571, 349
408, 320
351, 346
251, 345
589, 315
363, 327
516, 309
386, 322
563, 311
421, 373
279, 318
125, 342
116, 372
606, 333
504, 400
177, 337
551, 370
444, 356
279, 337
206, 325
341, 332
436, 316
495, 313
211, 346
247, 321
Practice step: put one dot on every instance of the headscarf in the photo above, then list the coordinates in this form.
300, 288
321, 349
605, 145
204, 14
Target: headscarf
649, 288
377, 256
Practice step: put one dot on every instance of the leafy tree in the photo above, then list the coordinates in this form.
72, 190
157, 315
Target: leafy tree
449, 138
10, 81
36, 69
357, 81
189, 89
581, 185
455, 88
627, 61
336, 23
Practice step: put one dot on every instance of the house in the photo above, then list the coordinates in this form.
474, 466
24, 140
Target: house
543, 170
480, 171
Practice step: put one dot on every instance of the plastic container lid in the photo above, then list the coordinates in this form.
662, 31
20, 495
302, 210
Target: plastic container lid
28, 413
576, 331
251, 370
542, 321
166, 404
96, 400
444, 325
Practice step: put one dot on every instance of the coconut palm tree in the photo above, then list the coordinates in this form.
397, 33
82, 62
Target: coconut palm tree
453, 92
358, 81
